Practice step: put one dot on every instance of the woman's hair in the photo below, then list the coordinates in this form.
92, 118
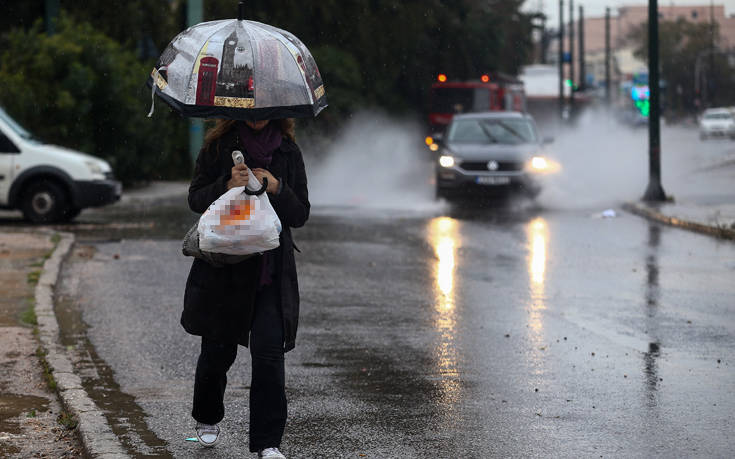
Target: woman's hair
221, 127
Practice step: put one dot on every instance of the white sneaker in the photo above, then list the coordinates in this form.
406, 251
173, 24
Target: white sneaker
207, 434
271, 453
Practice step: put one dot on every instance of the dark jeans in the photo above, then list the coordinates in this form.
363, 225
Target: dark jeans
268, 385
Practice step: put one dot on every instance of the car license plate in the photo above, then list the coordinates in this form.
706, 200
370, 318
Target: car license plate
493, 180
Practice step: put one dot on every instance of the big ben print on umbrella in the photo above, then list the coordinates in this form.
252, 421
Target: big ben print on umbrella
238, 69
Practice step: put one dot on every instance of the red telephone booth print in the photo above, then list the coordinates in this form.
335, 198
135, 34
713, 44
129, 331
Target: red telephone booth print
207, 80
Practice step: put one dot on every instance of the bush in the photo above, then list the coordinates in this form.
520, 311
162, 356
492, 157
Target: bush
81, 89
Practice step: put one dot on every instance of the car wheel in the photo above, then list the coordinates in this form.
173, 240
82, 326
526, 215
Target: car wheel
44, 201
532, 192
440, 193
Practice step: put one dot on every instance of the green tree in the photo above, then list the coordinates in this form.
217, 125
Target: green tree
81, 89
684, 46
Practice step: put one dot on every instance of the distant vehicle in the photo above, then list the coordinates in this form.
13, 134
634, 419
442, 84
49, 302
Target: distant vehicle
49, 183
717, 122
491, 153
492, 92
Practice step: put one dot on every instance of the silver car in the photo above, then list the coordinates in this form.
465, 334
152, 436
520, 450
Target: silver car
490, 153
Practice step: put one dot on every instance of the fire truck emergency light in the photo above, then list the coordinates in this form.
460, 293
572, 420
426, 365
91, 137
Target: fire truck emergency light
485, 78
442, 78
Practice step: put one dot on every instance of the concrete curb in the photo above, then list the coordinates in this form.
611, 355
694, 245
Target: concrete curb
652, 214
97, 437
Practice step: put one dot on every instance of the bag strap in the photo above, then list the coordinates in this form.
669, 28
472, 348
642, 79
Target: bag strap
260, 191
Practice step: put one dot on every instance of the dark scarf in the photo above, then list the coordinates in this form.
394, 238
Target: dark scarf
260, 145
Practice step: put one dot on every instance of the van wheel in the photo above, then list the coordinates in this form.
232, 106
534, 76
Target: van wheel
44, 202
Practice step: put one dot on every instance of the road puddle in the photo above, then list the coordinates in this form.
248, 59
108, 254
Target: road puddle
12, 406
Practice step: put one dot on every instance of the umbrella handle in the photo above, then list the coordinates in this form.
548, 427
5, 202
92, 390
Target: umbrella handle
260, 191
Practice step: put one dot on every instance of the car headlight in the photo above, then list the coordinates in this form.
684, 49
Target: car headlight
446, 161
542, 165
94, 167
539, 163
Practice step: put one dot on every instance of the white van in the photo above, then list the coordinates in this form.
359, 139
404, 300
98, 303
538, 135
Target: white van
49, 183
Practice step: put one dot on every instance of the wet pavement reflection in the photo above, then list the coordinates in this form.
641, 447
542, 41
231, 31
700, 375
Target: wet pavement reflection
443, 235
652, 298
538, 240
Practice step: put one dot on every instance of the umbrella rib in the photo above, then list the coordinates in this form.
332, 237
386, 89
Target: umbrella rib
252, 53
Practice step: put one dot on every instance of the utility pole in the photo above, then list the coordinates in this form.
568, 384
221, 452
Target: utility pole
655, 191
711, 73
544, 40
195, 15
571, 53
561, 59
607, 56
582, 69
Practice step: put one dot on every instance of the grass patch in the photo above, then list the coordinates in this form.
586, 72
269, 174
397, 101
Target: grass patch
47, 370
56, 238
31, 414
67, 420
33, 277
28, 316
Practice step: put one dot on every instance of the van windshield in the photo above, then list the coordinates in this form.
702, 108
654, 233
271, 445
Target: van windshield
17, 128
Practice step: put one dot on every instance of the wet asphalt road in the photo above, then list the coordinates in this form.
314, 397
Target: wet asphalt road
448, 331
499, 332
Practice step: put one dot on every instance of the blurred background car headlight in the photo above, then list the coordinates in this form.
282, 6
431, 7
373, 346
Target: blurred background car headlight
446, 161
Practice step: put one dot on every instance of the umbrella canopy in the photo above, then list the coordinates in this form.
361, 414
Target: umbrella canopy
237, 69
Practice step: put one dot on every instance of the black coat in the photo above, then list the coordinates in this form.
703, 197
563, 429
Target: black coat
218, 302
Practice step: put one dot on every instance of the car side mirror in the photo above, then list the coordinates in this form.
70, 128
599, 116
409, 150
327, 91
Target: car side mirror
548, 140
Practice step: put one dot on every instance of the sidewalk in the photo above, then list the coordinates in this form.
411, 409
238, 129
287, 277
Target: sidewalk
704, 200
713, 219
32, 421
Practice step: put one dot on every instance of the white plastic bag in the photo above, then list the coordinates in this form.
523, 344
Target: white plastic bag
240, 224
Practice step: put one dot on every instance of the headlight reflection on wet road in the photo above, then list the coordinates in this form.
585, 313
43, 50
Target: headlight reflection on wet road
538, 238
444, 238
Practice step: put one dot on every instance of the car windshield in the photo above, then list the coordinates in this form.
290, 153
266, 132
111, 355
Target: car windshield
17, 128
717, 116
508, 131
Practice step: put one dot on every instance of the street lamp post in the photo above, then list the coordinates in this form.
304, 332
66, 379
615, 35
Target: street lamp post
607, 57
561, 59
655, 191
571, 53
582, 69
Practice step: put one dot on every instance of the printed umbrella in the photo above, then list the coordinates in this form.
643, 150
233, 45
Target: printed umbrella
238, 69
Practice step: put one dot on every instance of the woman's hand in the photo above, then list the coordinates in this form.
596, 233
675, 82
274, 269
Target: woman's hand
272, 181
239, 176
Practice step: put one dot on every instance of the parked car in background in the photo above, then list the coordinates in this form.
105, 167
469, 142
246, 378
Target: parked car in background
50, 183
491, 153
717, 122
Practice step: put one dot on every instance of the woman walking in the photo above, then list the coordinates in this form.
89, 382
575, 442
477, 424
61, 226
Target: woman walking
254, 303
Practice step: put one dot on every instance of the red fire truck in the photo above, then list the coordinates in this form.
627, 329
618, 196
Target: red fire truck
492, 92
